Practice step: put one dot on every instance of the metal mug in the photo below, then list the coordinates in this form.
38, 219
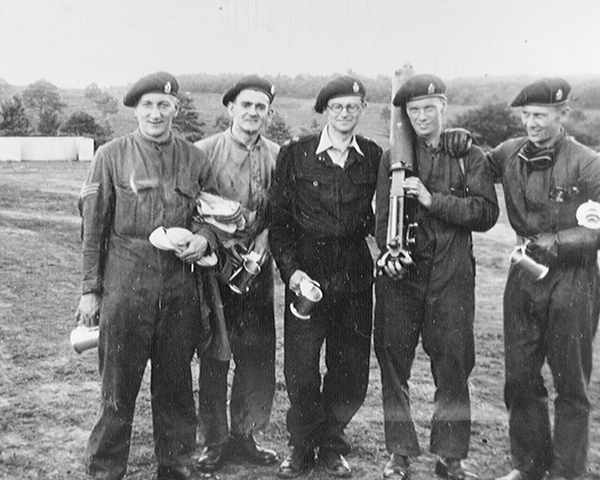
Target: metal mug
242, 278
84, 338
519, 258
310, 295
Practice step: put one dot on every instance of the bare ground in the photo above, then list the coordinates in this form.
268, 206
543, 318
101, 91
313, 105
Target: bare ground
49, 394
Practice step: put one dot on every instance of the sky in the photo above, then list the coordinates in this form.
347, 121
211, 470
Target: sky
73, 43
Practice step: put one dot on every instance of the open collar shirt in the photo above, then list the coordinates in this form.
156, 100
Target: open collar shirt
337, 153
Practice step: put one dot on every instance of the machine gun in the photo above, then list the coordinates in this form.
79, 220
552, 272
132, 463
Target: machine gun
400, 236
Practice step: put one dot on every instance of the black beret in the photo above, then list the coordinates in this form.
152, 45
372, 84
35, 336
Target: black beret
339, 87
418, 87
251, 82
544, 92
159, 82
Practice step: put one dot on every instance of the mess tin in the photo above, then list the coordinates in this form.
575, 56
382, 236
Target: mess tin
520, 259
84, 338
310, 295
242, 278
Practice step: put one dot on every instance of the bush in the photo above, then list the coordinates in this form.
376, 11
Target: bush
82, 124
491, 124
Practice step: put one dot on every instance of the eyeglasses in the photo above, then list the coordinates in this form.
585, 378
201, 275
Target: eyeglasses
338, 107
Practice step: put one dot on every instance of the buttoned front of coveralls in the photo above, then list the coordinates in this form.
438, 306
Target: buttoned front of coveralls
553, 319
435, 300
321, 215
150, 301
242, 174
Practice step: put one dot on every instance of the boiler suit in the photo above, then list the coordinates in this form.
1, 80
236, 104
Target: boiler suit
151, 302
243, 175
435, 300
555, 318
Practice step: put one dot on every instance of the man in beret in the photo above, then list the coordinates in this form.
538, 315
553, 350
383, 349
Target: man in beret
243, 162
547, 176
145, 300
430, 294
321, 213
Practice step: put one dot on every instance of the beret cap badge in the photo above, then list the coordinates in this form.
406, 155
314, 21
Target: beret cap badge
342, 86
419, 87
159, 82
543, 92
249, 82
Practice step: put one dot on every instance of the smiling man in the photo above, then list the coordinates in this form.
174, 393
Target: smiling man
547, 176
243, 162
321, 203
145, 300
434, 297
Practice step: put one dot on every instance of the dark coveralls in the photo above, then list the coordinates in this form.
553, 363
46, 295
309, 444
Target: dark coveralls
553, 319
150, 300
320, 218
435, 300
243, 175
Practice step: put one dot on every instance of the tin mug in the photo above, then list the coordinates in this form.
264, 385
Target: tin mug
310, 295
242, 278
84, 338
520, 258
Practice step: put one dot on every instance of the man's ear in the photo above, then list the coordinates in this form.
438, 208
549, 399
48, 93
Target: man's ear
230, 106
444, 106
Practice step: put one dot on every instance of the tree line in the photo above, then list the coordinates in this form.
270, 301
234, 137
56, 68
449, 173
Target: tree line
461, 91
38, 109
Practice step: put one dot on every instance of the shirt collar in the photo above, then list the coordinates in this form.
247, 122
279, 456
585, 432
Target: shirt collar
149, 141
325, 143
242, 145
423, 142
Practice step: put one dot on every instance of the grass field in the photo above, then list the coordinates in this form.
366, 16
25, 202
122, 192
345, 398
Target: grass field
49, 394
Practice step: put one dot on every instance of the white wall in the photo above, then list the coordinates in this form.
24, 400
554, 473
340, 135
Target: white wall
46, 149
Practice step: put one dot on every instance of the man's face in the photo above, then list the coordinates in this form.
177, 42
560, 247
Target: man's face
542, 123
425, 116
249, 111
344, 121
155, 113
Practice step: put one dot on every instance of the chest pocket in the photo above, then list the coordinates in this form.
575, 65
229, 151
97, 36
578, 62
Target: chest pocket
183, 206
136, 207
361, 185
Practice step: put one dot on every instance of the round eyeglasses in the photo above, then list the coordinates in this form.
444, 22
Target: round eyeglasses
338, 107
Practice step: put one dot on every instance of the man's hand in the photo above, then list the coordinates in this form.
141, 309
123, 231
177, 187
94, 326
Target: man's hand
457, 142
413, 187
296, 279
261, 243
88, 311
393, 268
543, 248
194, 250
